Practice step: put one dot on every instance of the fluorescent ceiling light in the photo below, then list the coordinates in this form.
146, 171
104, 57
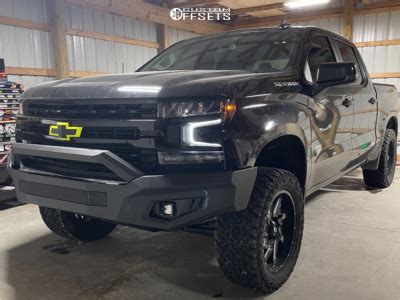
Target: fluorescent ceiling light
303, 3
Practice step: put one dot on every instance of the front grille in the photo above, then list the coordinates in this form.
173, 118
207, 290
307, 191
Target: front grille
76, 110
131, 133
143, 159
69, 167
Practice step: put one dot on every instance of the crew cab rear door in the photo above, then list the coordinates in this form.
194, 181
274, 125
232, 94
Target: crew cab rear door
331, 112
364, 102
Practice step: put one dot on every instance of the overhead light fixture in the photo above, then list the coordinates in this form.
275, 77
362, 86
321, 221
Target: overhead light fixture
303, 3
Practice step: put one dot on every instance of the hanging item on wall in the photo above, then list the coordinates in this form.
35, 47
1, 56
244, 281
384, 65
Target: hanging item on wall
3, 75
10, 93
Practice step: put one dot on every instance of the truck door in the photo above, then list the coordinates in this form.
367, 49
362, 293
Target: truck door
364, 101
331, 111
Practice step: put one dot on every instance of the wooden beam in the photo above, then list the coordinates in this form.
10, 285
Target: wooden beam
57, 8
394, 42
348, 19
377, 7
163, 37
292, 17
111, 38
24, 23
30, 71
150, 12
78, 74
48, 72
259, 8
385, 75
191, 3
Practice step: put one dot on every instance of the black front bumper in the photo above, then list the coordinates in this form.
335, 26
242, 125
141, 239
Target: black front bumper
136, 198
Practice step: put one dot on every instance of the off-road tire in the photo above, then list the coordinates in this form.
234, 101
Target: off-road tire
75, 227
239, 235
383, 176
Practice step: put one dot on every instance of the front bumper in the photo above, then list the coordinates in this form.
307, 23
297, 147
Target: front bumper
135, 199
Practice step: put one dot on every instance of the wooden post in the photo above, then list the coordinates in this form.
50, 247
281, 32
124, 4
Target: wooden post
59, 38
348, 19
163, 37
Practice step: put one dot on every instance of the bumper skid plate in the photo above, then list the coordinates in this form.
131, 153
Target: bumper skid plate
137, 198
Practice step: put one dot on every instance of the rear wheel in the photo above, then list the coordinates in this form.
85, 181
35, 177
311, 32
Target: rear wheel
75, 226
258, 247
383, 176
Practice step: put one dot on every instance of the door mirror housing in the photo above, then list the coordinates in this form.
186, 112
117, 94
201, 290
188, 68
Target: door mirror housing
330, 74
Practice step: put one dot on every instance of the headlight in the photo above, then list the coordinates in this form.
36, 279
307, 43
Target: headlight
189, 108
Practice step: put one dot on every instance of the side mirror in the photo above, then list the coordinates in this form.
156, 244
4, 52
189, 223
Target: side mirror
330, 74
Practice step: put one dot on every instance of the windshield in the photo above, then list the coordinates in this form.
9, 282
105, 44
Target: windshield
259, 51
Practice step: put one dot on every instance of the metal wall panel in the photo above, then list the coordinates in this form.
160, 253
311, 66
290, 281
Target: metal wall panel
332, 24
377, 27
22, 47
29, 81
87, 19
33, 10
176, 35
90, 54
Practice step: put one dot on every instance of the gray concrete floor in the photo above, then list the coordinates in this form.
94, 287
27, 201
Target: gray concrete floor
350, 250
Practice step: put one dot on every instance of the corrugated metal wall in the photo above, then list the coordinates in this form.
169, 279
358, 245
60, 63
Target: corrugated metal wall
333, 24
29, 48
176, 35
377, 27
103, 56
21, 47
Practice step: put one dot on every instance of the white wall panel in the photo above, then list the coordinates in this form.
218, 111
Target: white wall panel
103, 56
332, 24
88, 54
377, 27
29, 81
22, 47
33, 10
98, 21
176, 35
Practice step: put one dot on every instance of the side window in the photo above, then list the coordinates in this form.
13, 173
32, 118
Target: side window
348, 55
320, 52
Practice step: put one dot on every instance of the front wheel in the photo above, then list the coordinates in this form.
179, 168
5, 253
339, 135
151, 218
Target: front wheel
258, 247
75, 226
383, 176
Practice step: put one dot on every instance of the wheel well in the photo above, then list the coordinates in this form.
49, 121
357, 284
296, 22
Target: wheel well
286, 153
392, 124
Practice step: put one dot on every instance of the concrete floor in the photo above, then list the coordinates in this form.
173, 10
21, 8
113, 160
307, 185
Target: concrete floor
350, 250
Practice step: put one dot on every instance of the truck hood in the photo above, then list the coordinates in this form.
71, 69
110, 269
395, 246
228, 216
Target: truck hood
140, 85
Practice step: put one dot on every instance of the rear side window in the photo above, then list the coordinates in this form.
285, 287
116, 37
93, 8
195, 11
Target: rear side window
348, 55
320, 52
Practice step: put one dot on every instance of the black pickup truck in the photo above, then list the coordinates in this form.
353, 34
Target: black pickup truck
237, 127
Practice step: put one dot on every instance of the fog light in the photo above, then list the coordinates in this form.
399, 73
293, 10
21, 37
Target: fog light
168, 209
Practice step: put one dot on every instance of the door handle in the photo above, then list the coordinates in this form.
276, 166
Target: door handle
346, 102
372, 100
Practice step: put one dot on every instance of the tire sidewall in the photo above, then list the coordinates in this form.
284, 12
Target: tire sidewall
291, 260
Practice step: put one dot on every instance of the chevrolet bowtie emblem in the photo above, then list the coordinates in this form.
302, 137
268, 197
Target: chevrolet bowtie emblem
64, 132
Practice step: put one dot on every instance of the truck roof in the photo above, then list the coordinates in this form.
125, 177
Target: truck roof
286, 27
